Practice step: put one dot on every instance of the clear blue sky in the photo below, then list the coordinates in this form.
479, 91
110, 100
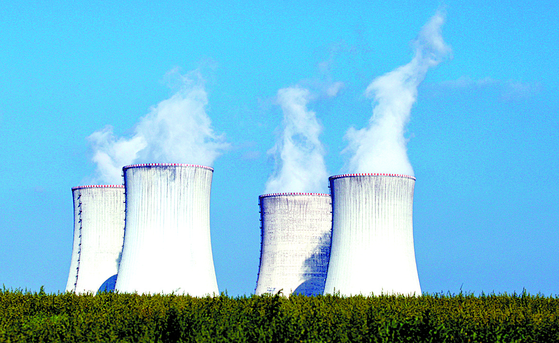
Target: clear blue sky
483, 136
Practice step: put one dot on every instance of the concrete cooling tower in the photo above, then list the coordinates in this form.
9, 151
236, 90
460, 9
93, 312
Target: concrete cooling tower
295, 243
372, 235
167, 246
98, 234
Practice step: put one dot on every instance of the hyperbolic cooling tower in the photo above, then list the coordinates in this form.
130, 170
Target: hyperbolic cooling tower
98, 233
295, 243
167, 246
372, 235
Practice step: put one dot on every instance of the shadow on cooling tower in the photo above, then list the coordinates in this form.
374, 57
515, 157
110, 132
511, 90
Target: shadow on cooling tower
295, 243
315, 269
109, 285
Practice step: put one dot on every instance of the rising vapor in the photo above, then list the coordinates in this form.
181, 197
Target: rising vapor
298, 152
177, 130
381, 147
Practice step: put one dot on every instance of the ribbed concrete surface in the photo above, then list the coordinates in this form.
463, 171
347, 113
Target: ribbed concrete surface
167, 245
295, 243
98, 235
372, 235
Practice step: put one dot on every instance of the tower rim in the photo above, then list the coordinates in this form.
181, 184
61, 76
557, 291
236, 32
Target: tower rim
143, 165
267, 195
333, 177
96, 186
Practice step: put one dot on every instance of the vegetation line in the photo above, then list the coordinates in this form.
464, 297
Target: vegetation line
67, 317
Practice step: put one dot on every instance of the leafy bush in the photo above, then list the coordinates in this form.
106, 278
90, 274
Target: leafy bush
112, 317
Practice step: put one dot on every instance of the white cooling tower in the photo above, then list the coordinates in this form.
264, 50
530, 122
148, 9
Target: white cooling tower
295, 243
98, 234
167, 245
372, 235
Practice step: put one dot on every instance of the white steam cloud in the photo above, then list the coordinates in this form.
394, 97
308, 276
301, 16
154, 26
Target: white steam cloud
177, 130
298, 152
381, 147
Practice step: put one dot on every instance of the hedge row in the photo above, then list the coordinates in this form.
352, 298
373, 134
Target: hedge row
111, 317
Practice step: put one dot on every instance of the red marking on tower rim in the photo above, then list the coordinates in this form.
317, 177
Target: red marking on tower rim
166, 165
371, 174
293, 193
97, 186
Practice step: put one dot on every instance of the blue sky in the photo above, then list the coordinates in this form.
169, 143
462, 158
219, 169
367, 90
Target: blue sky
483, 133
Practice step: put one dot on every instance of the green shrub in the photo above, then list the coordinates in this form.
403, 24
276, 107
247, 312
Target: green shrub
112, 317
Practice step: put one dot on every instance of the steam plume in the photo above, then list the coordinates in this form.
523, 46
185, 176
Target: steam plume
381, 147
299, 154
177, 130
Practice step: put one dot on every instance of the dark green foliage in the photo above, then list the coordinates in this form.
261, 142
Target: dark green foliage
112, 317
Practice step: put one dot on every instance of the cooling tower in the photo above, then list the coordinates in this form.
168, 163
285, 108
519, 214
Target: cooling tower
167, 245
98, 234
295, 243
372, 235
